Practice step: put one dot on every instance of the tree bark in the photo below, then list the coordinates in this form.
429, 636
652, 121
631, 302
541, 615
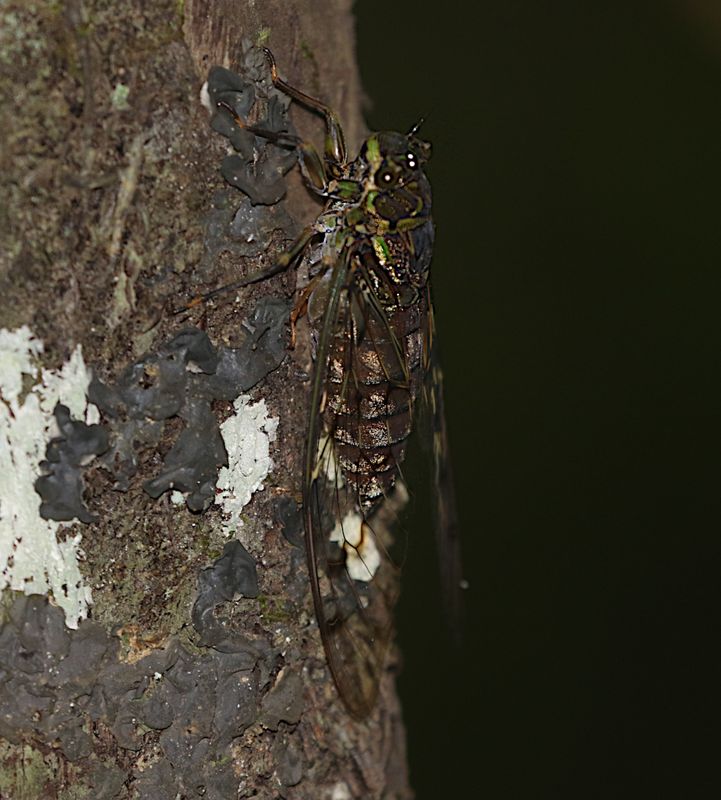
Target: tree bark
113, 212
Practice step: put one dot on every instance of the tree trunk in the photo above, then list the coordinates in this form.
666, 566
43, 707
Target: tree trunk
154, 657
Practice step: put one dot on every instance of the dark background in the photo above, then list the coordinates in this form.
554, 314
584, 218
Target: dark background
577, 197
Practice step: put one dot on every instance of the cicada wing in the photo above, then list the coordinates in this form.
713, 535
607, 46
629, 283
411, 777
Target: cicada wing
447, 528
361, 405
355, 589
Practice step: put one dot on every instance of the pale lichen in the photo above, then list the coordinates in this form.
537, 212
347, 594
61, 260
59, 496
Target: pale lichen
32, 558
247, 436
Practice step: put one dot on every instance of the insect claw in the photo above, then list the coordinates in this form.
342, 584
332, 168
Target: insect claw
233, 113
271, 63
196, 301
295, 315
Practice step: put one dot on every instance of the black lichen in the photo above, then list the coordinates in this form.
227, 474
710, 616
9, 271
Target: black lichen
61, 484
192, 464
288, 757
284, 703
56, 684
181, 379
258, 166
232, 575
288, 515
235, 226
243, 223
229, 88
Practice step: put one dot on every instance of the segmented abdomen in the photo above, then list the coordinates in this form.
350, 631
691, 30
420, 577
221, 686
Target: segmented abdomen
375, 374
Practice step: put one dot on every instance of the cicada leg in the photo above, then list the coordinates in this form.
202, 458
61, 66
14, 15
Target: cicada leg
316, 171
300, 309
311, 165
315, 174
284, 261
335, 152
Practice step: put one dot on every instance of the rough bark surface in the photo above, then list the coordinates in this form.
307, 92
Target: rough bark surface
113, 211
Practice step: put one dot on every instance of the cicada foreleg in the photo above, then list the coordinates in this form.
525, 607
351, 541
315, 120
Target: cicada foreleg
300, 308
323, 176
311, 165
317, 172
335, 151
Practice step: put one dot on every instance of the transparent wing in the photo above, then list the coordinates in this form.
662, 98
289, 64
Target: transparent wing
367, 374
446, 518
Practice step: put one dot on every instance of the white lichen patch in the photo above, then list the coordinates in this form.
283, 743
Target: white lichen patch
356, 538
177, 498
205, 100
119, 97
32, 560
247, 436
18, 351
341, 791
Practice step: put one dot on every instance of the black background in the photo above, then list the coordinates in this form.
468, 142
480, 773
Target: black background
577, 197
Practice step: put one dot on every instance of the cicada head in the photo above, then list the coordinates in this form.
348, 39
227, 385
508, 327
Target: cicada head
399, 189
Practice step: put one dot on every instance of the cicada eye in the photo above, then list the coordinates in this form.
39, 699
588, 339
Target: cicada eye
411, 160
385, 178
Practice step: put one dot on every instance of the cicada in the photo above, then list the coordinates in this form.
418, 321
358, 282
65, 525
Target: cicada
368, 303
